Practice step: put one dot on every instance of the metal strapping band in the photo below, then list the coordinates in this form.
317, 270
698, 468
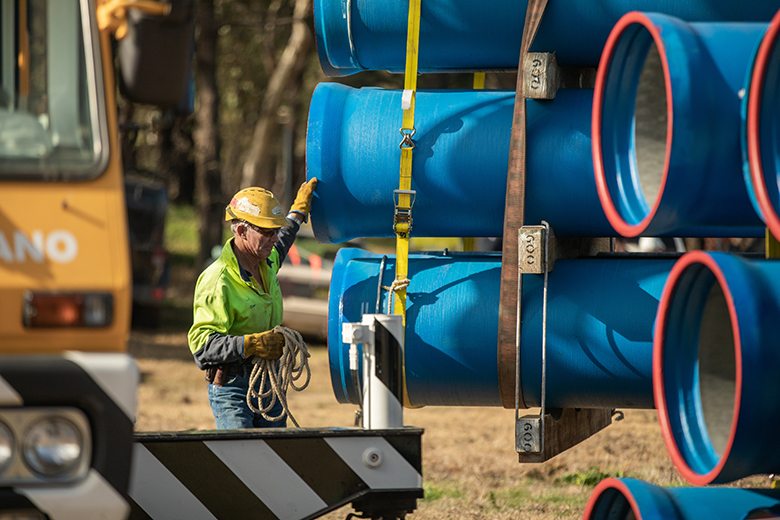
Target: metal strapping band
511, 281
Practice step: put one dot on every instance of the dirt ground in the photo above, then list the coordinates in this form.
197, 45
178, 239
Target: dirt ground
470, 469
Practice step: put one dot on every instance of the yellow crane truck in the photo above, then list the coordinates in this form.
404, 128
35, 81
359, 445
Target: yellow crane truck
67, 385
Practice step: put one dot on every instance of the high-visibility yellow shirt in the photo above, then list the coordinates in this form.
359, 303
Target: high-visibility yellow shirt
228, 305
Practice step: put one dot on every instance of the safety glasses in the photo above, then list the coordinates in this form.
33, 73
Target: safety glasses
266, 232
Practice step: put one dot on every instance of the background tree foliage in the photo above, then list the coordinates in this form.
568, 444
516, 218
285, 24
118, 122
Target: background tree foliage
256, 67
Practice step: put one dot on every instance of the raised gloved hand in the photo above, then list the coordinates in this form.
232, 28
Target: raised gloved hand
267, 345
302, 203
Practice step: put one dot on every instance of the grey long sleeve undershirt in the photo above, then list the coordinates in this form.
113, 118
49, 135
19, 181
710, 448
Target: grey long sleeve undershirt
226, 348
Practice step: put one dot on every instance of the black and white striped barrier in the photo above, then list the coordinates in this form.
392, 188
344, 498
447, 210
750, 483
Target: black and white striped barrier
381, 336
275, 473
66, 435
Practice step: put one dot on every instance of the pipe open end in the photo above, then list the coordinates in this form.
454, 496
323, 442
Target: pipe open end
763, 127
696, 371
632, 124
612, 500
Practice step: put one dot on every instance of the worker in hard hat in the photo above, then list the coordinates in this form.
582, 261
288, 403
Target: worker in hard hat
238, 302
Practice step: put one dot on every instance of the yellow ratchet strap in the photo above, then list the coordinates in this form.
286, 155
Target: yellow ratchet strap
772, 245
404, 196
479, 80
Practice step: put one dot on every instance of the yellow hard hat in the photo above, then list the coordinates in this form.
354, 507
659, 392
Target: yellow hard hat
257, 206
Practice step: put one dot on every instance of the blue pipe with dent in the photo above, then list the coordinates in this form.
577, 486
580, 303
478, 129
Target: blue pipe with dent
458, 35
761, 128
715, 366
623, 498
670, 89
599, 348
459, 164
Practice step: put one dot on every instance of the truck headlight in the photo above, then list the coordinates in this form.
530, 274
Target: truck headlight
42, 445
6, 447
53, 447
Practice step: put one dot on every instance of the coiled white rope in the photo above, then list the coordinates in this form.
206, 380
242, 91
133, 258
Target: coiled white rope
280, 374
397, 285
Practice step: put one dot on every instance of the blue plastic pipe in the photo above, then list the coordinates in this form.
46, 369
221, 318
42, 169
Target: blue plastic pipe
761, 128
459, 166
357, 35
600, 322
676, 168
624, 498
715, 366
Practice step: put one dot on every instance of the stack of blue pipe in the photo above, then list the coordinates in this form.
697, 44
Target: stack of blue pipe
715, 352
604, 313
715, 355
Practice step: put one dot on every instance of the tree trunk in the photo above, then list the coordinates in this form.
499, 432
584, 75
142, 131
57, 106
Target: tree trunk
209, 200
175, 152
257, 170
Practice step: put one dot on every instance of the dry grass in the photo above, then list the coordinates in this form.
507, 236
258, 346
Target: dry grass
470, 469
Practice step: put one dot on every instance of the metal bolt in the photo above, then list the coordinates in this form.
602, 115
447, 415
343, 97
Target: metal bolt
372, 457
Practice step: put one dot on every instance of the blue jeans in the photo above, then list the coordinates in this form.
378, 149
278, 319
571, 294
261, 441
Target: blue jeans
228, 404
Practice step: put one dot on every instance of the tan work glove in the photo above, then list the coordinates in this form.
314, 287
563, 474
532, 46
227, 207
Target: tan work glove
302, 203
267, 345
